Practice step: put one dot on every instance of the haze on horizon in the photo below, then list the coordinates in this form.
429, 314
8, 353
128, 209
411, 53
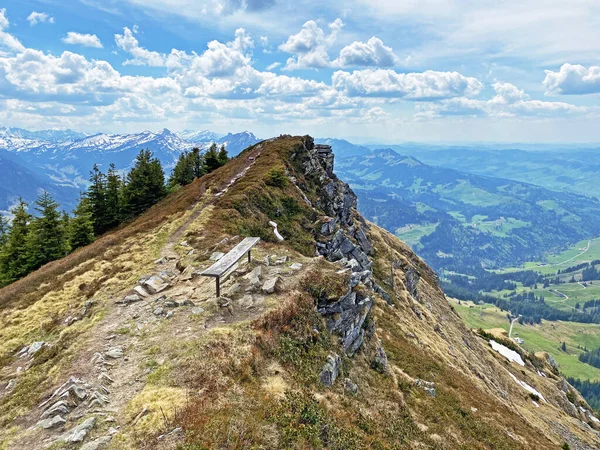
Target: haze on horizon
428, 71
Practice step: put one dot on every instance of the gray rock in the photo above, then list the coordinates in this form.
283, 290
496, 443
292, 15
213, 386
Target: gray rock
140, 291
169, 314
173, 432
380, 361
162, 260
331, 369
272, 285
427, 386
328, 227
97, 443
412, 281
254, 276
78, 433
280, 261
60, 407
51, 422
155, 284
159, 311
215, 256
133, 298
35, 347
350, 386
10, 385
296, 266
197, 310
115, 353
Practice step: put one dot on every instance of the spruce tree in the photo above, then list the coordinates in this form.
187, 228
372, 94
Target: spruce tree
145, 184
198, 163
183, 172
222, 157
47, 240
81, 228
97, 198
211, 158
14, 263
4, 226
114, 185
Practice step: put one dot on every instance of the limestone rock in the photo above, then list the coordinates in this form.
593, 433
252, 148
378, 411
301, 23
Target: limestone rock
133, 298
331, 369
197, 310
140, 291
215, 256
97, 444
78, 433
115, 352
272, 285
155, 284
380, 361
427, 386
60, 407
350, 386
51, 422
296, 266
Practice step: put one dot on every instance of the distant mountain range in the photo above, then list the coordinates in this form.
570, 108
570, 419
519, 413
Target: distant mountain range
461, 221
59, 161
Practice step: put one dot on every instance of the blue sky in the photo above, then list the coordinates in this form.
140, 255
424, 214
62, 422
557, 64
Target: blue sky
386, 71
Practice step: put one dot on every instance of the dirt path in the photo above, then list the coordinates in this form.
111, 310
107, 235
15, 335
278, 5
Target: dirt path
168, 250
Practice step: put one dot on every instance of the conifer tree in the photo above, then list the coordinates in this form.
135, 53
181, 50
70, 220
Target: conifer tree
4, 225
14, 262
81, 228
222, 157
211, 158
46, 240
198, 163
145, 184
97, 201
114, 185
183, 172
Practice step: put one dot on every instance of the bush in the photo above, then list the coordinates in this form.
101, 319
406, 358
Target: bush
276, 177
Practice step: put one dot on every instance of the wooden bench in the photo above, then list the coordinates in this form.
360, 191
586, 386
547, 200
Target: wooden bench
223, 266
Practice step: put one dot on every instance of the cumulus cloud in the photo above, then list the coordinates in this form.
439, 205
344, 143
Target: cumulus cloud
309, 46
509, 101
86, 40
410, 86
573, 80
39, 17
129, 44
371, 53
7, 40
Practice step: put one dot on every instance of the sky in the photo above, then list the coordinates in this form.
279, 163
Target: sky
385, 71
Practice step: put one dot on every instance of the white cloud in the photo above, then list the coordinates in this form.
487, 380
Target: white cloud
39, 17
86, 40
573, 80
410, 86
309, 46
509, 101
129, 44
7, 40
273, 66
370, 53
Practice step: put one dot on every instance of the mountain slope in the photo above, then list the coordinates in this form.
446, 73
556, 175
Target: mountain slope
354, 348
461, 221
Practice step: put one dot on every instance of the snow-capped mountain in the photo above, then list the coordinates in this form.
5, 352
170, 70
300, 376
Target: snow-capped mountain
64, 158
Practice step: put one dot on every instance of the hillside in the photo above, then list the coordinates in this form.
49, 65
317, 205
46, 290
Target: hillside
337, 337
460, 221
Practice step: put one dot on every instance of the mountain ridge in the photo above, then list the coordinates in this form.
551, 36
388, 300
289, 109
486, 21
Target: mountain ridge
356, 346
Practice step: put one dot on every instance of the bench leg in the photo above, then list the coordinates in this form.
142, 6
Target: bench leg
249, 257
218, 287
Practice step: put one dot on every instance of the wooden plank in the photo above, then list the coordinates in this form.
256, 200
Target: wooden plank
227, 261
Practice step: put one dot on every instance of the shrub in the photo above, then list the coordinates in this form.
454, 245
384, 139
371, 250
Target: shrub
276, 177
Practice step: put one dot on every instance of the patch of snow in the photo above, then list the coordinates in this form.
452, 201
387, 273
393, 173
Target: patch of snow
509, 354
527, 387
593, 418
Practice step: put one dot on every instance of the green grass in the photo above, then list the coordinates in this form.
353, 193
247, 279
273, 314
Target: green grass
466, 193
546, 337
413, 236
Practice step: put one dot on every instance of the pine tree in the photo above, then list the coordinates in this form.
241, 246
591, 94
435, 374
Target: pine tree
97, 199
81, 228
14, 262
47, 240
197, 163
145, 184
183, 172
211, 158
114, 185
222, 157
4, 226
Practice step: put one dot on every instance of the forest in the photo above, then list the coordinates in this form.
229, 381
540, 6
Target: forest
32, 239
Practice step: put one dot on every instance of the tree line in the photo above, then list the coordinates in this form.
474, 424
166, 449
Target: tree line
31, 240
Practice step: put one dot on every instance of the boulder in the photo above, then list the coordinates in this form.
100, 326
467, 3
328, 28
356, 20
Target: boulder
133, 298
60, 407
115, 352
51, 422
296, 266
35, 347
254, 276
350, 386
331, 369
155, 284
380, 361
215, 256
78, 433
272, 285
427, 386
97, 444
197, 310
159, 311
